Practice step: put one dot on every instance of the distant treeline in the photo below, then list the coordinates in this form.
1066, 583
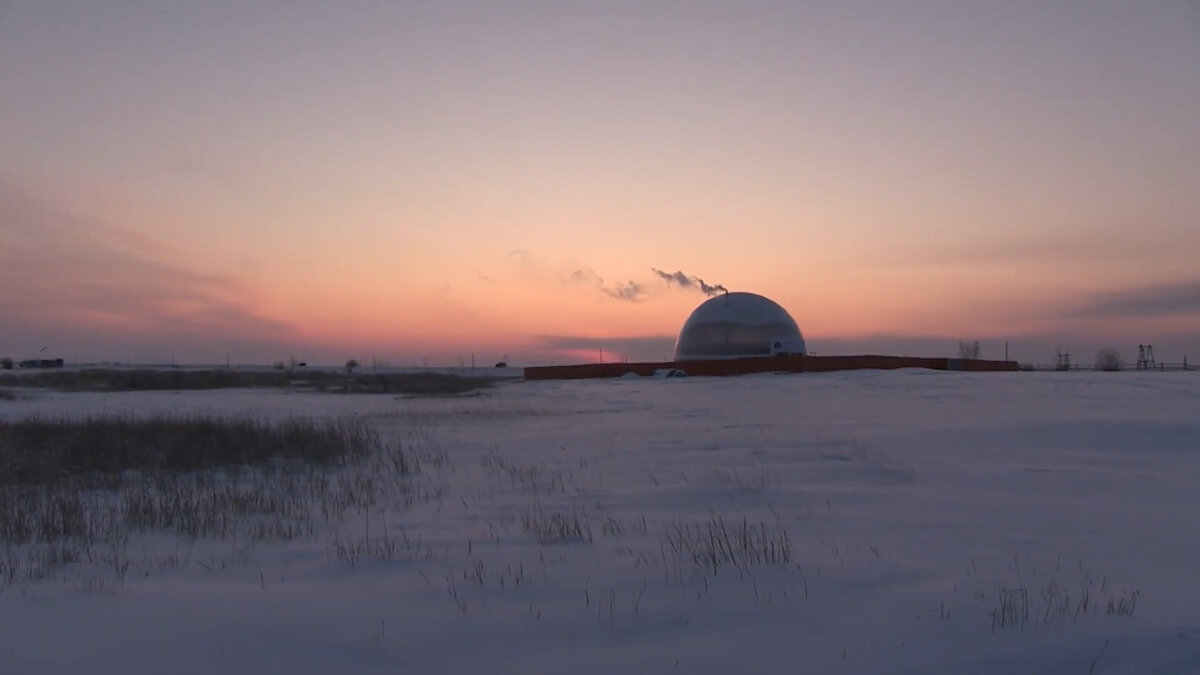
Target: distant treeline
103, 379
7, 363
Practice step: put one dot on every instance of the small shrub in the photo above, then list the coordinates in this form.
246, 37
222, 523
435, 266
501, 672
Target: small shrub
6, 363
968, 350
1108, 359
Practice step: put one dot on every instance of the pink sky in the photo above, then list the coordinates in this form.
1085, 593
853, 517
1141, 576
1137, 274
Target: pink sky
432, 180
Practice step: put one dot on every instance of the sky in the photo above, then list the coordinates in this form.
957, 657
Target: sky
430, 181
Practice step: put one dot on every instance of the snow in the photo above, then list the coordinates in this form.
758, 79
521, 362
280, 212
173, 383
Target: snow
913, 501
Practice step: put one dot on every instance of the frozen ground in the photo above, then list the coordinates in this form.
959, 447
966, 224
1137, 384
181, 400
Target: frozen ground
904, 522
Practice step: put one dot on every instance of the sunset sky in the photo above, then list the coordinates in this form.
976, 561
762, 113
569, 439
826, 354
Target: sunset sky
412, 180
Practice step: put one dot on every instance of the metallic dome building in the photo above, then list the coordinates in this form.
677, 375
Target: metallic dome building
735, 325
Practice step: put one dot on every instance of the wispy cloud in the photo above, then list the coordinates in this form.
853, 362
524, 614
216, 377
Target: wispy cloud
1150, 301
62, 271
636, 348
520, 257
689, 282
1103, 247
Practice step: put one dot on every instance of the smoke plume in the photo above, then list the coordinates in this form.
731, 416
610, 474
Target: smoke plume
689, 282
630, 291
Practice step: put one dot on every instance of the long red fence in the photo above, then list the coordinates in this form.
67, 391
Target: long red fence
765, 364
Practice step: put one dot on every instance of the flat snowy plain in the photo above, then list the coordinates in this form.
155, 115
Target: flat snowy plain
866, 522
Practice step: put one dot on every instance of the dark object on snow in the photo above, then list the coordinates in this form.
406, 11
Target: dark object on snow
41, 363
502, 364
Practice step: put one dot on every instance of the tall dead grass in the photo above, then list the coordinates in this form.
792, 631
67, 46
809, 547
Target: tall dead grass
72, 492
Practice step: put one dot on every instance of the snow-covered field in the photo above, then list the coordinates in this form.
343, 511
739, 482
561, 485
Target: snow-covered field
865, 522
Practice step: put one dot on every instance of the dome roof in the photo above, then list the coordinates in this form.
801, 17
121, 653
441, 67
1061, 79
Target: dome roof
737, 324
